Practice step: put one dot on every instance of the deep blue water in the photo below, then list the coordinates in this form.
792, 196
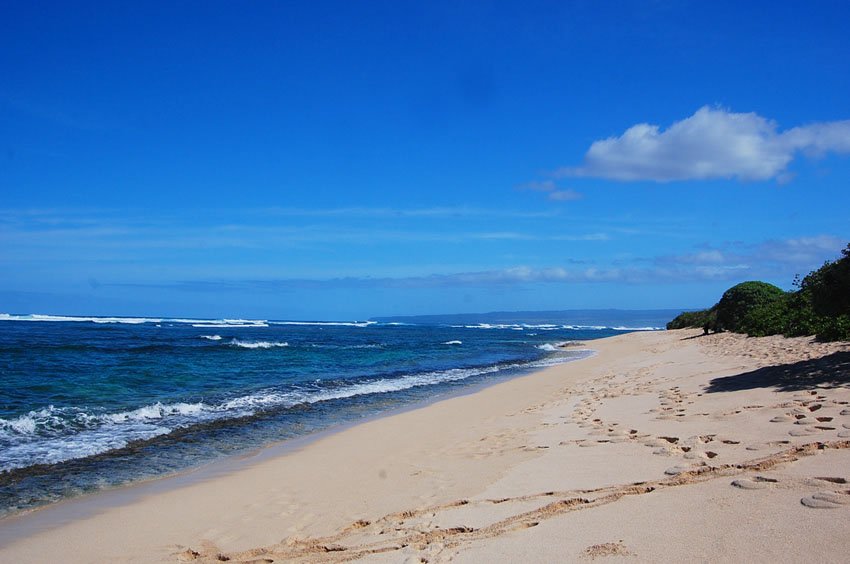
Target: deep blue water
97, 402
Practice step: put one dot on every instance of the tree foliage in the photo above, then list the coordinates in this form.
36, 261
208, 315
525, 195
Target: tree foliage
702, 319
771, 318
739, 300
830, 286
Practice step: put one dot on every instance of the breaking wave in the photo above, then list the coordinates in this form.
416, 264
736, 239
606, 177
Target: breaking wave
57, 434
135, 320
553, 327
258, 344
327, 323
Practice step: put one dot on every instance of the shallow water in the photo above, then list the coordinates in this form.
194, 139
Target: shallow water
88, 403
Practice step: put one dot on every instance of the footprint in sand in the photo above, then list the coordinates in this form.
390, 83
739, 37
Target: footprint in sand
778, 443
697, 455
606, 549
755, 483
826, 500
819, 480
802, 432
805, 421
676, 470
755, 447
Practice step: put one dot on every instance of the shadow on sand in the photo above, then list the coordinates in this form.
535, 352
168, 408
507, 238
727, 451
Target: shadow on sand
831, 371
697, 336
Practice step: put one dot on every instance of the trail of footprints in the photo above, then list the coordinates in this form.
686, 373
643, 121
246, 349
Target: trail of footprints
827, 496
809, 412
416, 531
813, 412
671, 405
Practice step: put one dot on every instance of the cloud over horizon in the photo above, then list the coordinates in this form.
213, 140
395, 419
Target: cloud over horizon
775, 259
712, 143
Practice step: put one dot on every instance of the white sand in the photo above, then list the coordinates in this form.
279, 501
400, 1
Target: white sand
639, 453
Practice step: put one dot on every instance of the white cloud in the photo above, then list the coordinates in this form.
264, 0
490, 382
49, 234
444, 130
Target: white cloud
564, 195
708, 257
712, 143
554, 193
777, 260
802, 251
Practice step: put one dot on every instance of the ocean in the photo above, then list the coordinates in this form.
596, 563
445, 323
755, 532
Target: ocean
88, 403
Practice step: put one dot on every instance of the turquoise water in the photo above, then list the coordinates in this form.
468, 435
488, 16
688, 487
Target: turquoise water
88, 403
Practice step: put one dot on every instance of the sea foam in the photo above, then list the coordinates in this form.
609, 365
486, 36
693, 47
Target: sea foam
56, 434
326, 323
135, 320
552, 327
258, 344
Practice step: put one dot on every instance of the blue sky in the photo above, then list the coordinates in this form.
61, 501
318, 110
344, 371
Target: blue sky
338, 160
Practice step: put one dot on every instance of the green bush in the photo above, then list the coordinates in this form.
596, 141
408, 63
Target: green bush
739, 300
835, 329
771, 318
702, 318
829, 287
820, 306
802, 319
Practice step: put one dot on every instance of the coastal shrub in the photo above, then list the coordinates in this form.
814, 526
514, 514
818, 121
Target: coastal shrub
740, 299
771, 318
829, 286
687, 319
822, 302
835, 329
820, 306
802, 319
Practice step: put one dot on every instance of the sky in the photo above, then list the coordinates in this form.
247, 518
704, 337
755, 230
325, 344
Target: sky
342, 160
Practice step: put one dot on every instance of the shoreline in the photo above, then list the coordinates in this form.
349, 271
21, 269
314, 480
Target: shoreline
55, 514
497, 474
189, 412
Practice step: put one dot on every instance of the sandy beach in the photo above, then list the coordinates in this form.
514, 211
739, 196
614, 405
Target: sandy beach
662, 447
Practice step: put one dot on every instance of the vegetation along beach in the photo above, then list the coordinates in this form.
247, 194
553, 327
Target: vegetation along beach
399, 282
